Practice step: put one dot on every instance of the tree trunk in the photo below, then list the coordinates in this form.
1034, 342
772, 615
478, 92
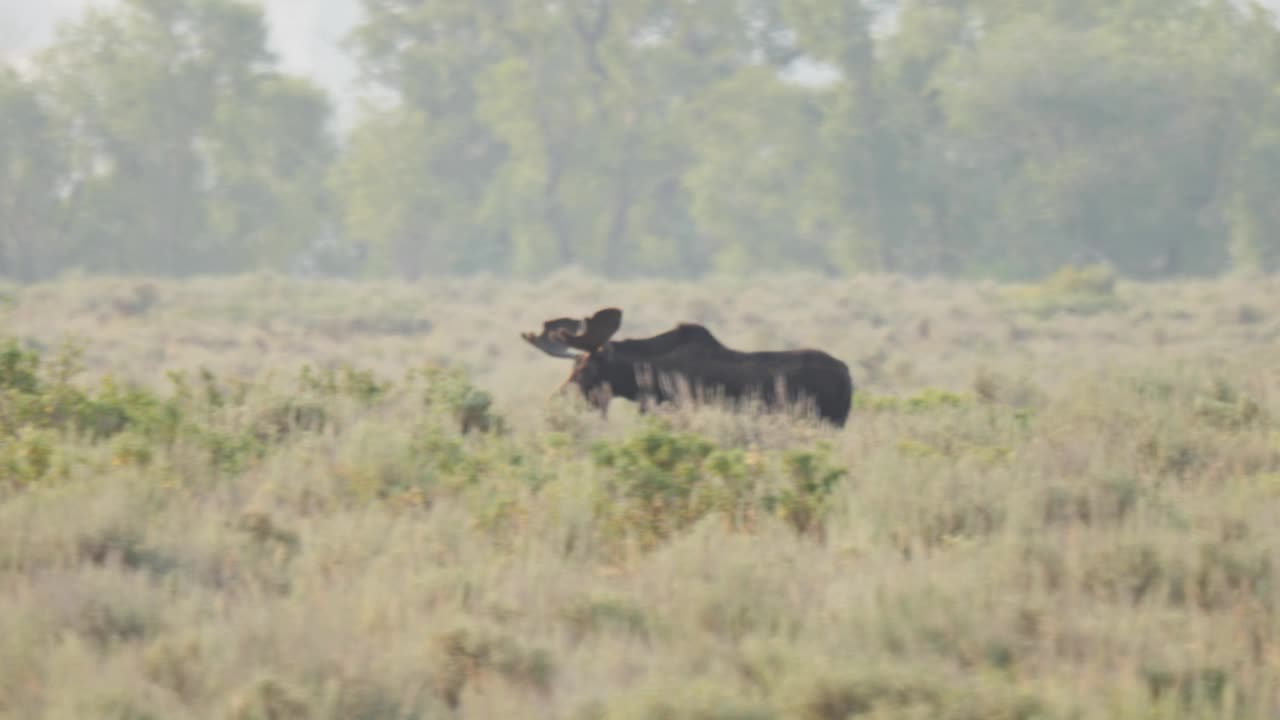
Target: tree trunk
553, 212
618, 223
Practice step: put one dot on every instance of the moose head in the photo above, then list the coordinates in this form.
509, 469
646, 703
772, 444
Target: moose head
587, 343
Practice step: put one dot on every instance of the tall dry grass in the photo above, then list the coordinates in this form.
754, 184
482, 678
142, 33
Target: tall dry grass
1058, 501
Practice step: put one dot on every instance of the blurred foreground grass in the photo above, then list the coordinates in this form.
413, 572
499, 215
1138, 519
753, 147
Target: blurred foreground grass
261, 498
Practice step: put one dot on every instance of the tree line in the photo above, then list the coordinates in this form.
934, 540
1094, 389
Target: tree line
980, 138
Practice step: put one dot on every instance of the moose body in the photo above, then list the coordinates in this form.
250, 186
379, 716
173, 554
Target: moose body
688, 362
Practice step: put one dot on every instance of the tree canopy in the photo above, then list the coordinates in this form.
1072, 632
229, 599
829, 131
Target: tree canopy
980, 138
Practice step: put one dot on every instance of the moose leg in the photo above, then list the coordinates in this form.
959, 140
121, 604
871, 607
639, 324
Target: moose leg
600, 397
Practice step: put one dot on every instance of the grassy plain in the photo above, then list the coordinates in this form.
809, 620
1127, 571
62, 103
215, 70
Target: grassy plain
1055, 501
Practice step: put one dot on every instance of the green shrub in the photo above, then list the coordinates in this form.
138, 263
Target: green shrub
923, 401
19, 369
226, 420
343, 381
804, 501
696, 699
269, 699
1087, 290
660, 482
28, 457
468, 656
450, 390
594, 615
1224, 407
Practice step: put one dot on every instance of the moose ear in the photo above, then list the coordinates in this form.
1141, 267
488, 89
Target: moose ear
598, 329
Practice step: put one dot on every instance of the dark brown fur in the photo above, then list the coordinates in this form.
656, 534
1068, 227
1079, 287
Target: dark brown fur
689, 358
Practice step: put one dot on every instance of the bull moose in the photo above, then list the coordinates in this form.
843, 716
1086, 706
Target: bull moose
689, 358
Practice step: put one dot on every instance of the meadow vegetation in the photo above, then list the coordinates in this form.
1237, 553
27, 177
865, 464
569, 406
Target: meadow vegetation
261, 498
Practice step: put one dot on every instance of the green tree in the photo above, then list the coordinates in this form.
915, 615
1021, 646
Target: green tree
937, 235
755, 138
271, 197
31, 171
190, 151
411, 222
587, 118
416, 182
1253, 214
733, 165
985, 137
1102, 132
862, 187
582, 119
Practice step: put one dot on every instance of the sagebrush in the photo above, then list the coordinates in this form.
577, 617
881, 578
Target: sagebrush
255, 514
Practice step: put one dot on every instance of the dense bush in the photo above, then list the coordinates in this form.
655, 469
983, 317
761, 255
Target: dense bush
43, 407
660, 482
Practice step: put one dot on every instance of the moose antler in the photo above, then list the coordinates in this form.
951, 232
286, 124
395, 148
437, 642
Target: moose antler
561, 336
551, 340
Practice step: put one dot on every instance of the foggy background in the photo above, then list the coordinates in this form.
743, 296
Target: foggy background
973, 138
307, 34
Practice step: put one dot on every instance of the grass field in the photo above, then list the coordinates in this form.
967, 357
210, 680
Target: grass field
253, 498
